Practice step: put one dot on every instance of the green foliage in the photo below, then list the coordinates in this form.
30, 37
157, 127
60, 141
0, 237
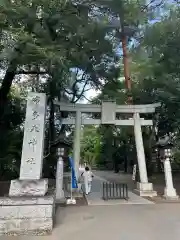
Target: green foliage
64, 47
11, 138
90, 145
41, 44
155, 74
156, 70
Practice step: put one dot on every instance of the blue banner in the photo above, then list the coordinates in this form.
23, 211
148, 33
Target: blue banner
74, 180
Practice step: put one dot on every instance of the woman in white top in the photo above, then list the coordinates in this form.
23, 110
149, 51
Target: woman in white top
88, 176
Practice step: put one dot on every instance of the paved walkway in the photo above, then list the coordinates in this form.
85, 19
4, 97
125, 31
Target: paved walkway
95, 197
120, 177
120, 222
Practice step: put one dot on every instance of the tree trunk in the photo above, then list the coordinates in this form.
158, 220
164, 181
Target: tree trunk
51, 122
125, 157
126, 64
50, 139
125, 164
6, 86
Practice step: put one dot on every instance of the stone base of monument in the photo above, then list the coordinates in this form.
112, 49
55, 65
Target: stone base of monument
26, 215
28, 187
145, 190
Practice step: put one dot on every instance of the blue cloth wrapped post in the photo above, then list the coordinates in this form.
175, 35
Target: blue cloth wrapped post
73, 176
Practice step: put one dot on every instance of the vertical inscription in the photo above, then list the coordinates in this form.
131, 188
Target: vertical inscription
33, 143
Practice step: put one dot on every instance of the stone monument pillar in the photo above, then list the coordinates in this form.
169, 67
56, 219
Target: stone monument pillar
59, 178
30, 206
169, 191
144, 187
30, 182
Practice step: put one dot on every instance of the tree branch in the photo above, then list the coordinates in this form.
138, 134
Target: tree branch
83, 90
74, 90
145, 7
23, 72
86, 98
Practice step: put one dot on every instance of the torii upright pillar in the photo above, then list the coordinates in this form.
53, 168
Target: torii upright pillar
144, 188
77, 142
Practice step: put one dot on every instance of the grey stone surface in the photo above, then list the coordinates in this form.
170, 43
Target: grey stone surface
39, 226
27, 215
169, 191
108, 113
33, 142
145, 190
145, 186
126, 222
45, 200
118, 222
26, 211
117, 177
59, 180
28, 187
95, 197
23, 212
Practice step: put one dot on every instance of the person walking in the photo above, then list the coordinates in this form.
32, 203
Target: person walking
88, 176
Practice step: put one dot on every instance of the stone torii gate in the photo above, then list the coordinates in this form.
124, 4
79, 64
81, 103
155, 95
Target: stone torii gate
108, 112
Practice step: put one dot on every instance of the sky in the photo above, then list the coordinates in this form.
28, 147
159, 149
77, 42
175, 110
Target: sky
89, 95
93, 93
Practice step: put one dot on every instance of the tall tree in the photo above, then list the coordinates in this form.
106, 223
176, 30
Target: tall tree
50, 34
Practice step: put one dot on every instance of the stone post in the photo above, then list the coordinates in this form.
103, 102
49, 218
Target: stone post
59, 178
144, 188
169, 191
77, 142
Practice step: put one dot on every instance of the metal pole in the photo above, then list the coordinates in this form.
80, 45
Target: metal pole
71, 184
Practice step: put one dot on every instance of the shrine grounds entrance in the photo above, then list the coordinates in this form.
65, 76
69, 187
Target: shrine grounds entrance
108, 111
29, 207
